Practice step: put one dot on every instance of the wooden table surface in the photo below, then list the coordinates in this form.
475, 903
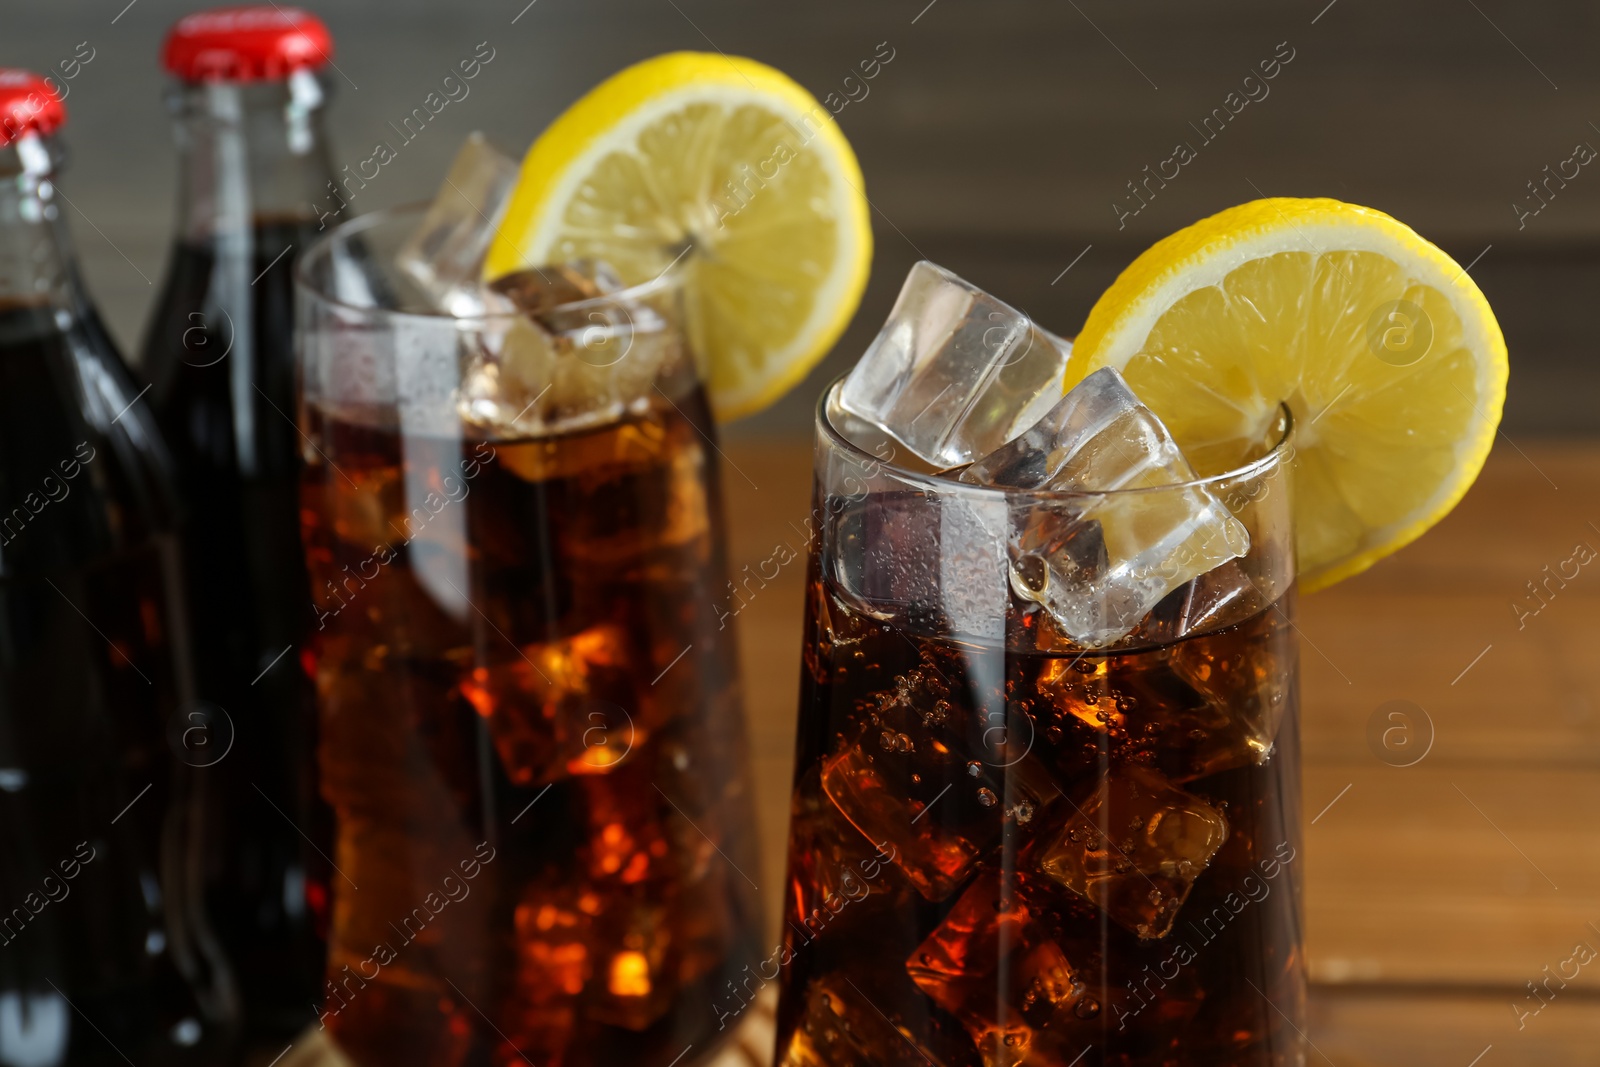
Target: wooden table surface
1435, 892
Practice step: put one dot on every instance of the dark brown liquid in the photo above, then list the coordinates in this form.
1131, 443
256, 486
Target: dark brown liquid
220, 356
98, 821
1004, 858
532, 740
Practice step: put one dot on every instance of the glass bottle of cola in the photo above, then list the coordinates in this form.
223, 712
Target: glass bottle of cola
105, 954
247, 103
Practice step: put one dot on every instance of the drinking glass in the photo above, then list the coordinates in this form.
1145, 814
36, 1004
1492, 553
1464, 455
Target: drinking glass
531, 733
1007, 848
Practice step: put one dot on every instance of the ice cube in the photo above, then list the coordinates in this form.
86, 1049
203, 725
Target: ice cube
994, 967
889, 555
937, 782
954, 373
701, 807
553, 965
644, 830
1136, 1005
609, 952
1099, 562
593, 326
934, 560
619, 955
873, 439
561, 708
1097, 437
539, 290
832, 867
367, 510
632, 839
1248, 675
522, 379
1207, 705
1221, 597
445, 255
1134, 846
838, 1026
972, 563
636, 965
501, 387
416, 1002
670, 900
1171, 725
828, 637
1213, 697
581, 353
1055, 547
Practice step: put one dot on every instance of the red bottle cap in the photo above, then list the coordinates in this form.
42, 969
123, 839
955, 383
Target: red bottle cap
249, 43
27, 102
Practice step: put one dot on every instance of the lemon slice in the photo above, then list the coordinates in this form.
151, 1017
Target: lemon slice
1385, 350
722, 168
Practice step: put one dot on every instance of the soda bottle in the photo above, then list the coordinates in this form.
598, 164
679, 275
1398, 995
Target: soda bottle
105, 954
247, 103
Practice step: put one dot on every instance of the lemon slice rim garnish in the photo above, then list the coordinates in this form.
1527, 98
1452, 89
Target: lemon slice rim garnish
612, 116
1207, 253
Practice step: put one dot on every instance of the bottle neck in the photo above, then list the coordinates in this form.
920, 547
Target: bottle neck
36, 264
249, 153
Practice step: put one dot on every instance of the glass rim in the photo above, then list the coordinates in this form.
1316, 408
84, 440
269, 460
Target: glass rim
666, 281
1275, 456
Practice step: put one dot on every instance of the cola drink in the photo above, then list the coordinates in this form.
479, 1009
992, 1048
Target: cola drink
1104, 943
531, 730
1011, 848
105, 950
600, 922
247, 103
